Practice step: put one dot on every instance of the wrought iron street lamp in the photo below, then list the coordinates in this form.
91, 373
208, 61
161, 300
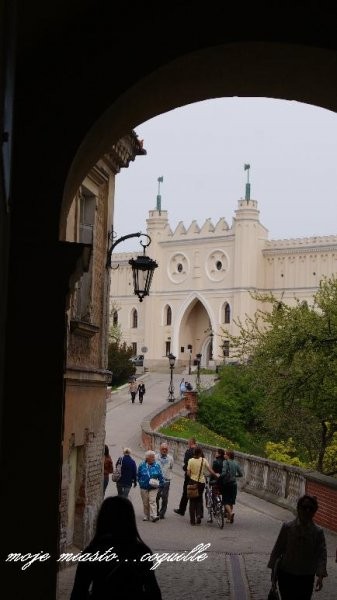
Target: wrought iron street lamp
142, 266
211, 335
172, 360
189, 348
198, 359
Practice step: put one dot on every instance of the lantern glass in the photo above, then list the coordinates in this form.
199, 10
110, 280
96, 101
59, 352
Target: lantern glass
142, 272
172, 360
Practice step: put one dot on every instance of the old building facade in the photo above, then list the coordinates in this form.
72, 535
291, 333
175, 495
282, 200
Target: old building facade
86, 377
204, 282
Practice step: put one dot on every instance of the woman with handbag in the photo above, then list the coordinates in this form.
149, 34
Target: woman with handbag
196, 472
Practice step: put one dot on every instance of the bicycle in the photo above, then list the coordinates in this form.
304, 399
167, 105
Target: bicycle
213, 500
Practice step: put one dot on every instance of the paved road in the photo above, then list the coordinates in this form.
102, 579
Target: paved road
235, 567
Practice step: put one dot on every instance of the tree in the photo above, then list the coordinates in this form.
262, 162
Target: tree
231, 408
119, 362
292, 354
115, 329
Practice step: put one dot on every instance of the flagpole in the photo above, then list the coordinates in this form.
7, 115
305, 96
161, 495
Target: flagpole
160, 180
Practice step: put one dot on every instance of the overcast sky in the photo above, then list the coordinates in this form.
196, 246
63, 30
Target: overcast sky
200, 150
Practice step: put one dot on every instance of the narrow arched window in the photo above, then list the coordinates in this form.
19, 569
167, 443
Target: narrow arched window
227, 313
168, 316
134, 319
115, 317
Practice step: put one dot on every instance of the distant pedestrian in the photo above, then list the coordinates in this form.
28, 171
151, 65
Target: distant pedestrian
141, 391
300, 553
108, 467
124, 573
182, 388
166, 463
128, 473
188, 454
150, 477
133, 387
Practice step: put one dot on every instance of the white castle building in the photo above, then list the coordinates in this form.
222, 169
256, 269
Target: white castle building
204, 280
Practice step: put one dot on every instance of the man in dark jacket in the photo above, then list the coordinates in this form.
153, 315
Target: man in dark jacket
192, 444
128, 473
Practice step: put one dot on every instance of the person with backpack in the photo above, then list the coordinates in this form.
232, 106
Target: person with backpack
230, 471
217, 468
141, 391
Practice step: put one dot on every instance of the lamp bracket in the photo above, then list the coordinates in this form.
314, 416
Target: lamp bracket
112, 236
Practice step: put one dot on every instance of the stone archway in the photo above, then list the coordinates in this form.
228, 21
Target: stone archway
192, 329
77, 91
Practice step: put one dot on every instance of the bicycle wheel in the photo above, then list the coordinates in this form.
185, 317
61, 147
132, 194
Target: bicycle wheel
219, 512
208, 502
208, 498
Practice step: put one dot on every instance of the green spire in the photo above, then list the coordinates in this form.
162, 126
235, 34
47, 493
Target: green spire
160, 180
247, 195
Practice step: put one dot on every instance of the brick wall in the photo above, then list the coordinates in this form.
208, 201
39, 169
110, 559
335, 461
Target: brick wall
325, 489
187, 406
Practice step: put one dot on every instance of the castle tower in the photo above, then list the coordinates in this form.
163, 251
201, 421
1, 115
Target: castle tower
250, 236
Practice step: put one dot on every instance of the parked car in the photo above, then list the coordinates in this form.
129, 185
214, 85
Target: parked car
138, 360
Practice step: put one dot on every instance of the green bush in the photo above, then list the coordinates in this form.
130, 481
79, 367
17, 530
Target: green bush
284, 452
119, 363
232, 407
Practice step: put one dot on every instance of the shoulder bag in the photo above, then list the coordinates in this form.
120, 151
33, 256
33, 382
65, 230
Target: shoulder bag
192, 490
117, 473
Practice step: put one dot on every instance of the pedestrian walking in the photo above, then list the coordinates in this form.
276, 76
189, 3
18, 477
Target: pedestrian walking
217, 465
196, 472
128, 473
300, 553
141, 392
182, 388
108, 467
133, 387
184, 500
229, 487
123, 573
150, 477
166, 463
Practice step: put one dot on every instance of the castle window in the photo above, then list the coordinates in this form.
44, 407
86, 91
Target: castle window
87, 210
168, 316
115, 318
134, 318
227, 313
218, 265
179, 267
